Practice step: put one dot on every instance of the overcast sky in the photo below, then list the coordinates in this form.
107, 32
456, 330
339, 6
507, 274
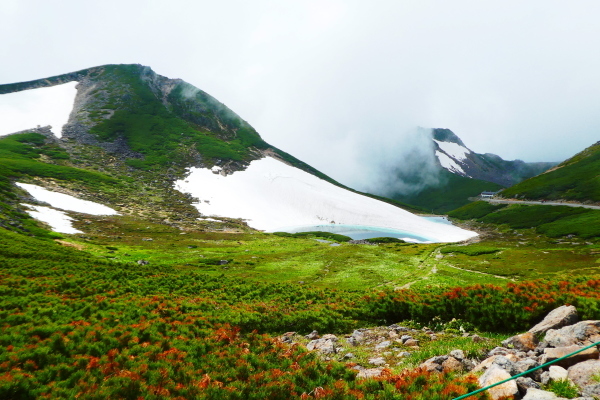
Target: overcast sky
339, 83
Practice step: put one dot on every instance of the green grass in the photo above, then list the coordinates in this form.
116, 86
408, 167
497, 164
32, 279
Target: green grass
477, 209
454, 191
472, 250
563, 388
552, 221
576, 179
315, 234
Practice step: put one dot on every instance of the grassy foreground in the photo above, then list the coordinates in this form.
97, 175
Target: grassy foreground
94, 325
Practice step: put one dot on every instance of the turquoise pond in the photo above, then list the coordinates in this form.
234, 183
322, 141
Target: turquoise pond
358, 232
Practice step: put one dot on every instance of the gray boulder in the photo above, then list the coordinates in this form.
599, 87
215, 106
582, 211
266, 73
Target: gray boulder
553, 353
557, 318
537, 394
584, 332
586, 376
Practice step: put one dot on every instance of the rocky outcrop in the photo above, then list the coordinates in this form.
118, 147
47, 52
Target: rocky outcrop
557, 318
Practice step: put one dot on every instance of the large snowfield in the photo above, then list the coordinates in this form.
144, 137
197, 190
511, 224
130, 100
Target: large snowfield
272, 195
42, 106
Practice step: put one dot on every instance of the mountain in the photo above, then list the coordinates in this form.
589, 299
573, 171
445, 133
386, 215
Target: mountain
462, 173
454, 156
160, 149
576, 179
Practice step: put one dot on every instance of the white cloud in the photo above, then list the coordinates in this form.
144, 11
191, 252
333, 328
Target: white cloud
324, 80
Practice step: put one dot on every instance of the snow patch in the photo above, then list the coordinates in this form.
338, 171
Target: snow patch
58, 220
270, 194
454, 150
42, 106
449, 163
66, 202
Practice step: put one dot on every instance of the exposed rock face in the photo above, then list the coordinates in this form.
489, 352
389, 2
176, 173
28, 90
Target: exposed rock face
557, 318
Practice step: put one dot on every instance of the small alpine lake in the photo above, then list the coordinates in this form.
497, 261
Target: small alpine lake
358, 232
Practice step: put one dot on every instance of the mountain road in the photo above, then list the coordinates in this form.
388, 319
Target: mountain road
544, 203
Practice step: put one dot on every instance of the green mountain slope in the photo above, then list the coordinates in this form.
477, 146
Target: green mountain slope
453, 192
577, 179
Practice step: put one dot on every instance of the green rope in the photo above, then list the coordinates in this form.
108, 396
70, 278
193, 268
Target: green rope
464, 396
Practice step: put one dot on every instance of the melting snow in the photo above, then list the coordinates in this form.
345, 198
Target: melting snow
42, 106
454, 150
58, 220
270, 195
66, 202
449, 163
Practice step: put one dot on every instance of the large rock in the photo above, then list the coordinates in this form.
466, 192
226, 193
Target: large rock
586, 375
524, 342
537, 394
325, 345
524, 383
496, 374
557, 373
368, 373
584, 333
557, 318
452, 365
551, 354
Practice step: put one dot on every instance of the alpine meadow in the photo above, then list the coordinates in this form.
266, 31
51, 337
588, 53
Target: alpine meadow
154, 246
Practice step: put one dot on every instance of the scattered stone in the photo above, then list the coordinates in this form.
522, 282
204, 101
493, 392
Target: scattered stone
404, 338
312, 336
432, 365
325, 346
377, 361
143, 262
585, 375
557, 318
584, 332
433, 337
392, 334
147, 239
557, 373
369, 373
403, 354
223, 262
458, 354
499, 351
496, 374
348, 356
537, 394
452, 365
552, 353
524, 383
477, 339
383, 345
524, 342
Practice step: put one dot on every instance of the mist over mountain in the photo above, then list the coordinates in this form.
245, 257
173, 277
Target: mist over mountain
437, 171
164, 150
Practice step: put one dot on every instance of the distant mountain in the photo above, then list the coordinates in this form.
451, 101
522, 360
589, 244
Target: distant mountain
163, 150
462, 173
576, 179
454, 156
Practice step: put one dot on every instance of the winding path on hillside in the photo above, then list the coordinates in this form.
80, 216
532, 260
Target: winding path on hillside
545, 203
